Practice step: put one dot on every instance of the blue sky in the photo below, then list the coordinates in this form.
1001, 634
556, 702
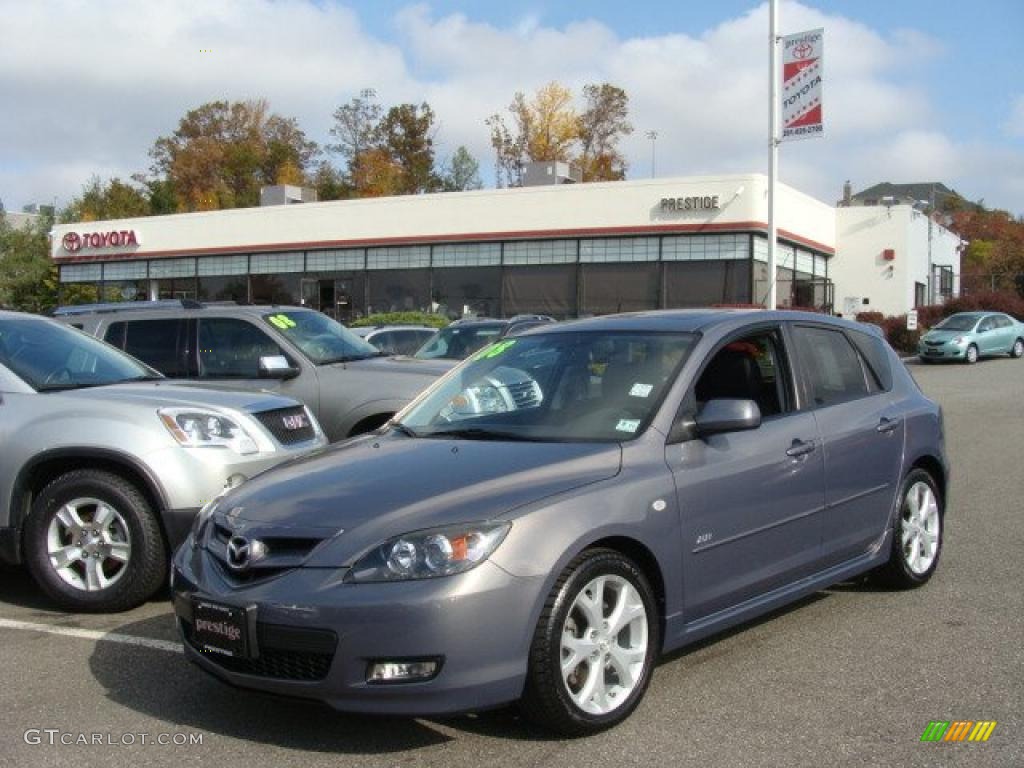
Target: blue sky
915, 91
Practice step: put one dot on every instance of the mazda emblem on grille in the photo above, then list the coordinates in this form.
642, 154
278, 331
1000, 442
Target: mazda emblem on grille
238, 553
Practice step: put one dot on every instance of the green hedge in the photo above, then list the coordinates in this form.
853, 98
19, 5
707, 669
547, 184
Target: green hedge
402, 318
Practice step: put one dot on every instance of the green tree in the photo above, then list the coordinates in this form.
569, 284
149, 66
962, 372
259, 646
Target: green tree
461, 172
406, 134
28, 277
222, 153
602, 124
355, 130
111, 200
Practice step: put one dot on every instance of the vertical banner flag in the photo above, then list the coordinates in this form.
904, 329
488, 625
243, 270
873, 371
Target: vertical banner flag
801, 85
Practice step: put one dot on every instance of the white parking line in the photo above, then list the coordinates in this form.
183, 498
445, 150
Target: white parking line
91, 634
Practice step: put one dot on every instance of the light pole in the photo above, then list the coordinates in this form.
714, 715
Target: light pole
653, 136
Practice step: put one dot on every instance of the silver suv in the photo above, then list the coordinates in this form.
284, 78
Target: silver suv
350, 385
105, 463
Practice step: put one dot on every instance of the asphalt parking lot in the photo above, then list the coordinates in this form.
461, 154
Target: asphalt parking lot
851, 676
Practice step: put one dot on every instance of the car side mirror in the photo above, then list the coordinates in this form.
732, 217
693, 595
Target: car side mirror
277, 367
727, 415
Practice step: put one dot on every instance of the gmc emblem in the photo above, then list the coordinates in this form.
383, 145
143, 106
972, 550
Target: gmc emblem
295, 421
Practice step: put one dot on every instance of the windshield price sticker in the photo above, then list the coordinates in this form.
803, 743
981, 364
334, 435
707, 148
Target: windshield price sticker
282, 321
627, 425
641, 390
495, 350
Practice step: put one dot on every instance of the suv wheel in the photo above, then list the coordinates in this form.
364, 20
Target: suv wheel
917, 534
594, 648
93, 544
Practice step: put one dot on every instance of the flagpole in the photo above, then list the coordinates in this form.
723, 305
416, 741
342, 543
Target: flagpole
773, 163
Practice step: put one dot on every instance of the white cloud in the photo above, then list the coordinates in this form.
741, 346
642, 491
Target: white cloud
96, 84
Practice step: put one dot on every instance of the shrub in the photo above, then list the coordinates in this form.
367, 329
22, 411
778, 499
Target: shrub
402, 318
902, 340
871, 316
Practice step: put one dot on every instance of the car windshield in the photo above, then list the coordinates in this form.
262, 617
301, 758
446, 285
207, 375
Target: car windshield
320, 338
567, 386
49, 356
457, 342
958, 323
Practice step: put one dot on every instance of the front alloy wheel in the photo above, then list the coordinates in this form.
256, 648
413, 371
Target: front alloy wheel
595, 646
972, 355
93, 543
1018, 348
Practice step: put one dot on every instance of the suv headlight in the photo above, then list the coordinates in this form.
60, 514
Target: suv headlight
430, 553
198, 428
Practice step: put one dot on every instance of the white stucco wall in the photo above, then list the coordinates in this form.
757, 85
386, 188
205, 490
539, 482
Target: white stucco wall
632, 207
860, 270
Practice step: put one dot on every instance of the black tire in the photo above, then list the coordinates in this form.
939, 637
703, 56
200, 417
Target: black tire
924, 360
146, 566
972, 355
546, 700
897, 573
1017, 350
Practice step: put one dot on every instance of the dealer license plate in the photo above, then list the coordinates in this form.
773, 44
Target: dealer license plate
220, 628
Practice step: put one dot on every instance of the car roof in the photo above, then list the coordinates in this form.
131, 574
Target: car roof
164, 309
695, 320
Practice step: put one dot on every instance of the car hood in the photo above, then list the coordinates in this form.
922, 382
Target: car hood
378, 486
398, 364
158, 394
943, 335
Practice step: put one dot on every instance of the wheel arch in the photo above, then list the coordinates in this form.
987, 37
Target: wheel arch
48, 465
935, 468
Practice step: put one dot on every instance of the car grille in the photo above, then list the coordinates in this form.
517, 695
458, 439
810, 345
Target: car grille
285, 653
288, 425
934, 343
285, 551
525, 394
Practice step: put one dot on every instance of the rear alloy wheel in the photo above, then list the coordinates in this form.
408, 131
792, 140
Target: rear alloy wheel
1018, 348
93, 544
972, 355
917, 533
594, 648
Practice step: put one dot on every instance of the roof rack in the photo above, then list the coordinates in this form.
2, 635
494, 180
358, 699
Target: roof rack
125, 306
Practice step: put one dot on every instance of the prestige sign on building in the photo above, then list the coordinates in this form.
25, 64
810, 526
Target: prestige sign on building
802, 77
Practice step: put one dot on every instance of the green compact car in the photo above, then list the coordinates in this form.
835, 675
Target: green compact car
967, 336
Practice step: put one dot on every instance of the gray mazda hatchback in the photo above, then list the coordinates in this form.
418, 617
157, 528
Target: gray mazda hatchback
565, 506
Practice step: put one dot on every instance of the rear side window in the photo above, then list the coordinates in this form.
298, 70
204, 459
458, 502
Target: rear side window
831, 365
158, 343
876, 355
115, 335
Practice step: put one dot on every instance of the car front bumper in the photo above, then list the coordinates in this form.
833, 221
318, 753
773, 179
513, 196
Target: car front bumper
315, 636
945, 352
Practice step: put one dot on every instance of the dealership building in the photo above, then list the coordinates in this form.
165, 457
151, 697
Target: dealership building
562, 249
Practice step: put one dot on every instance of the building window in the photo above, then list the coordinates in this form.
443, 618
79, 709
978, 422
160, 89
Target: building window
399, 290
522, 252
705, 247
275, 263
125, 270
275, 289
474, 289
408, 257
224, 288
619, 249
162, 268
920, 295
212, 266
703, 283
81, 273
608, 288
543, 290
336, 261
467, 255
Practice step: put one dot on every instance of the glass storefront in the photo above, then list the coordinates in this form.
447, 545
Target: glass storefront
564, 278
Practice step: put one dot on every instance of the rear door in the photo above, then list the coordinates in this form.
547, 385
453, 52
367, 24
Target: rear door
860, 432
160, 343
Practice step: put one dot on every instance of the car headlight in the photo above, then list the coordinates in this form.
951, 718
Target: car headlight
430, 553
196, 428
957, 340
200, 521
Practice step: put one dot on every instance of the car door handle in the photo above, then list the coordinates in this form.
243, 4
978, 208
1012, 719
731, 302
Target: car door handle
800, 448
888, 425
